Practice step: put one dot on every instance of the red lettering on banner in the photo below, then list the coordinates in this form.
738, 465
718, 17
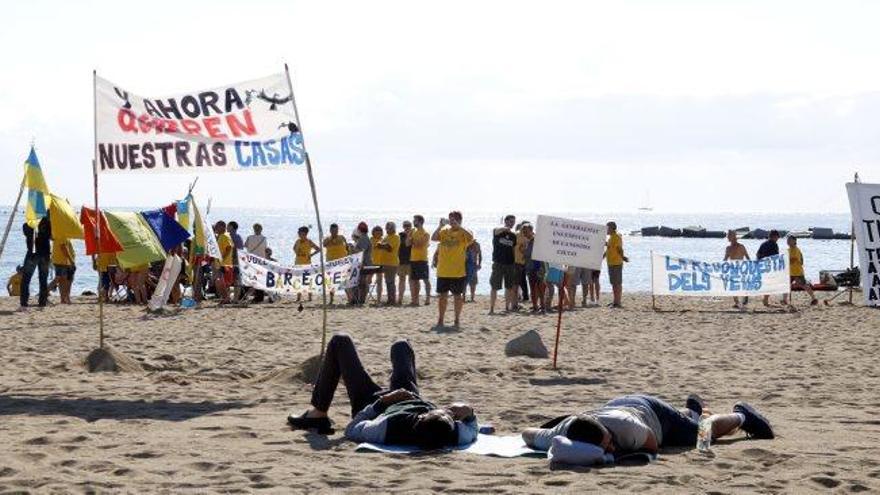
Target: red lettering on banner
126, 120
236, 126
213, 127
191, 127
211, 124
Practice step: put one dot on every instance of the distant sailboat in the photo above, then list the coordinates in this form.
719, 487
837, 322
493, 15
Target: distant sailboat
646, 205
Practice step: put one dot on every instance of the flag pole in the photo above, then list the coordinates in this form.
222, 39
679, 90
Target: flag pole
559, 318
653, 298
317, 215
12, 215
852, 247
97, 211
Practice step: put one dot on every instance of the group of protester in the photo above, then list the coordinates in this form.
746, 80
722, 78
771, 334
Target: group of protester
399, 415
736, 251
393, 261
41, 253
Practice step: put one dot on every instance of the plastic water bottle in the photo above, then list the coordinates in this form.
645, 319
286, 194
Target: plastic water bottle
704, 434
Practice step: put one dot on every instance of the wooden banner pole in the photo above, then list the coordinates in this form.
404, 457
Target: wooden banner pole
317, 215
653, 297
559, 318
852, 248
12, 216
97, 210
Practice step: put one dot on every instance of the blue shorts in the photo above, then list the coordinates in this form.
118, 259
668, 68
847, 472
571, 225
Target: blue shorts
678, 429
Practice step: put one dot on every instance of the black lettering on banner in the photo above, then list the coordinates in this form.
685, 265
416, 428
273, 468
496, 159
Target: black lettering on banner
170, 110
190, 106
105, 156
164, 148
208, 99
147, 154
133, 162
151, 109
875, 204
121, 156
233, 99
202, 157
181, 150
872, 228
121, 93
219, 150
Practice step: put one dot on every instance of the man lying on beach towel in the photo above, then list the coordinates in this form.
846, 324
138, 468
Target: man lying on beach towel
397, 416
643, 423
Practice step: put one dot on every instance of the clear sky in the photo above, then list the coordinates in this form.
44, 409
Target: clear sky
703, 106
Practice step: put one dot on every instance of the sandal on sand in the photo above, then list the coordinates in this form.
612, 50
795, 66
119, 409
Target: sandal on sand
755, 424
301, 422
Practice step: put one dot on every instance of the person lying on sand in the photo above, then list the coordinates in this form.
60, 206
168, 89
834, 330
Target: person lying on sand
643, 423
397, 416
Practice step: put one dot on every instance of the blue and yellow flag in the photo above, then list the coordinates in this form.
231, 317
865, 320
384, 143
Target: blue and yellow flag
38, 199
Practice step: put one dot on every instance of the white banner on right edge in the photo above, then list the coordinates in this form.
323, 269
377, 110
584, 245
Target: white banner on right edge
674, 276
864, 201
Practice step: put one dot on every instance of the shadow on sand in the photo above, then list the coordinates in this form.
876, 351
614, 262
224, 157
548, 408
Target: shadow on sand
118, 409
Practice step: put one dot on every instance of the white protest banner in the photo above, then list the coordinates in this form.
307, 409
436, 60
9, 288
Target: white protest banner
271, 276
673, 276
864, 201
569, 242
243, 126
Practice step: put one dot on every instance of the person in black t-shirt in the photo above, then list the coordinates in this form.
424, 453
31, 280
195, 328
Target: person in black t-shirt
404, 271
39, 250
503, 267
766, 249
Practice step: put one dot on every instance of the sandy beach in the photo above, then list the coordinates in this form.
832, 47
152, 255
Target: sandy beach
208, 413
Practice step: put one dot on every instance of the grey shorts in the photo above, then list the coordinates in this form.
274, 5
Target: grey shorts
581, 276
615, 274
503, 275
404, 270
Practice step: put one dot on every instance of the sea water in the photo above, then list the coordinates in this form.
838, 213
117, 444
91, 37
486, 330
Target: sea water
280, 226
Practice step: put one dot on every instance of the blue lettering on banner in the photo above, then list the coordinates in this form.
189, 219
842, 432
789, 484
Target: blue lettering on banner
270, 279
686, 275
690, 282
288, 150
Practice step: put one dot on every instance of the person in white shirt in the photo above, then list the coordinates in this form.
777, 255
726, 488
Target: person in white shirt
256, 243
643, 423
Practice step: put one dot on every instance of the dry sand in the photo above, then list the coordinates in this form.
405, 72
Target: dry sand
209, 415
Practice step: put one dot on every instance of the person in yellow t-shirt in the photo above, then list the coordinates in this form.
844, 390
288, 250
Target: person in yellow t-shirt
451, 271
13, 286
102, 264
796, 272
389, 246
615, 257
378, 258
225, 276
336, 247
64, 259
335, 244
418, 260
304, 248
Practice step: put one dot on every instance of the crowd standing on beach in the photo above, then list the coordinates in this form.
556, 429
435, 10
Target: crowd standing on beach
393, 261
